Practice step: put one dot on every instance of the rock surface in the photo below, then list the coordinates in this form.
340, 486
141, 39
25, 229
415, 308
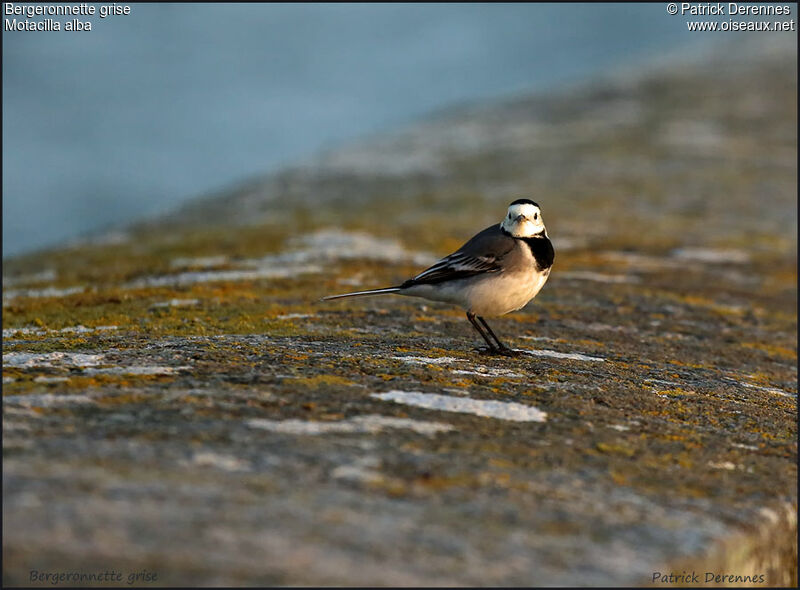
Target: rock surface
177, 401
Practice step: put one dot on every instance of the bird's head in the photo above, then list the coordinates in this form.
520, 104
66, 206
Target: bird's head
524, 219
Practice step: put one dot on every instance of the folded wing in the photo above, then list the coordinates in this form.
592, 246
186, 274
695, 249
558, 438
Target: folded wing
482, 254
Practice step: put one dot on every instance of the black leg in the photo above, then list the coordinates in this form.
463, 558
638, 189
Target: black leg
471, 318
500, 346
493, 335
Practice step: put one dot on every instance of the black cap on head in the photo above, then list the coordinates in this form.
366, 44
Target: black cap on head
524, 202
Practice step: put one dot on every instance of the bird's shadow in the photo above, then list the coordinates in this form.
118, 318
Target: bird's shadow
501, 352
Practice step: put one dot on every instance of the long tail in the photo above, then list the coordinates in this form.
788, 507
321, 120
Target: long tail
363, 293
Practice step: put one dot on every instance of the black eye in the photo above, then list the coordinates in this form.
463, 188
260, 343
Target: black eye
536, 216
509, 215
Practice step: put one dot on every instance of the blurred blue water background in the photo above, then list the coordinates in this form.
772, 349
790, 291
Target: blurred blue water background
174, 101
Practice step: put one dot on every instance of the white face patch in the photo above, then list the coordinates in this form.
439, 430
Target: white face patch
523, 220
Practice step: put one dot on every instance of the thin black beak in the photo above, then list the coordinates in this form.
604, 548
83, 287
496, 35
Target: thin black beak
519, 218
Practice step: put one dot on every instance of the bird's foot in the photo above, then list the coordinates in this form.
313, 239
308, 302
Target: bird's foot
504, 351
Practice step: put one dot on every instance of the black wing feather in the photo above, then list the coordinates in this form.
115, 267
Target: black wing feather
491, 243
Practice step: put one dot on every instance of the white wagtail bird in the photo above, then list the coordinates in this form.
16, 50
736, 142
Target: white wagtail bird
496, 272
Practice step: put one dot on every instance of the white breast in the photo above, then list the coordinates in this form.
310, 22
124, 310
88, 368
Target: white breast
504, 293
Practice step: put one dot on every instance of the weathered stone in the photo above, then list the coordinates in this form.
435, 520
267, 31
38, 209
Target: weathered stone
179, 402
